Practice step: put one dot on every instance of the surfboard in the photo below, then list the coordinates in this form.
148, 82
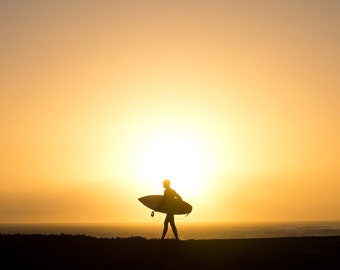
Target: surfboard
172, 206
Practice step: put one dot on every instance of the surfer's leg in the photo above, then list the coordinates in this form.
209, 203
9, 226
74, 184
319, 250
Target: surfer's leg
173, 226
166, 223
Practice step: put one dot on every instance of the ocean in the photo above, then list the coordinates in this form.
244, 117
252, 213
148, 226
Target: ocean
187, 230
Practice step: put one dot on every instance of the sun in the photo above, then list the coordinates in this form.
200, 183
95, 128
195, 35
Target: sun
179, 155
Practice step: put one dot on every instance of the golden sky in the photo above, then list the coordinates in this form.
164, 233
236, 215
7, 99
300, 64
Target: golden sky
236, 102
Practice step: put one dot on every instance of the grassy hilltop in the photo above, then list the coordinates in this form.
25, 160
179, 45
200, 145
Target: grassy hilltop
85, 252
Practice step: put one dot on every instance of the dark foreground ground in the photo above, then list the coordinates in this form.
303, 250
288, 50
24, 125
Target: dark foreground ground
84, 252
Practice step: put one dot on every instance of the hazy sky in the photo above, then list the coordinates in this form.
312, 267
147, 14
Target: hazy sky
236, 102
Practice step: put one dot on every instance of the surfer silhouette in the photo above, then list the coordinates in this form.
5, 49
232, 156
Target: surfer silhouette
169, 194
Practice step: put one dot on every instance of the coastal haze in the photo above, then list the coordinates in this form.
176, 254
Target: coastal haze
236, 102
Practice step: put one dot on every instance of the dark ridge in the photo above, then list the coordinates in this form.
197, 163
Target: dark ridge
62, 251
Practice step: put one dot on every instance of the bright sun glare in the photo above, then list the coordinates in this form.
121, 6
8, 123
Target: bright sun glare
177, 155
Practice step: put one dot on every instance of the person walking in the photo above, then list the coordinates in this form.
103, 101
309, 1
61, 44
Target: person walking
169, 194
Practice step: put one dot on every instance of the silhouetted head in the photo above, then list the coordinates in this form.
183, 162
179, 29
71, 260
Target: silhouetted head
166, 183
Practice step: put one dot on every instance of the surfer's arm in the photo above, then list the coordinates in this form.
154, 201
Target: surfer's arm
177, 196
